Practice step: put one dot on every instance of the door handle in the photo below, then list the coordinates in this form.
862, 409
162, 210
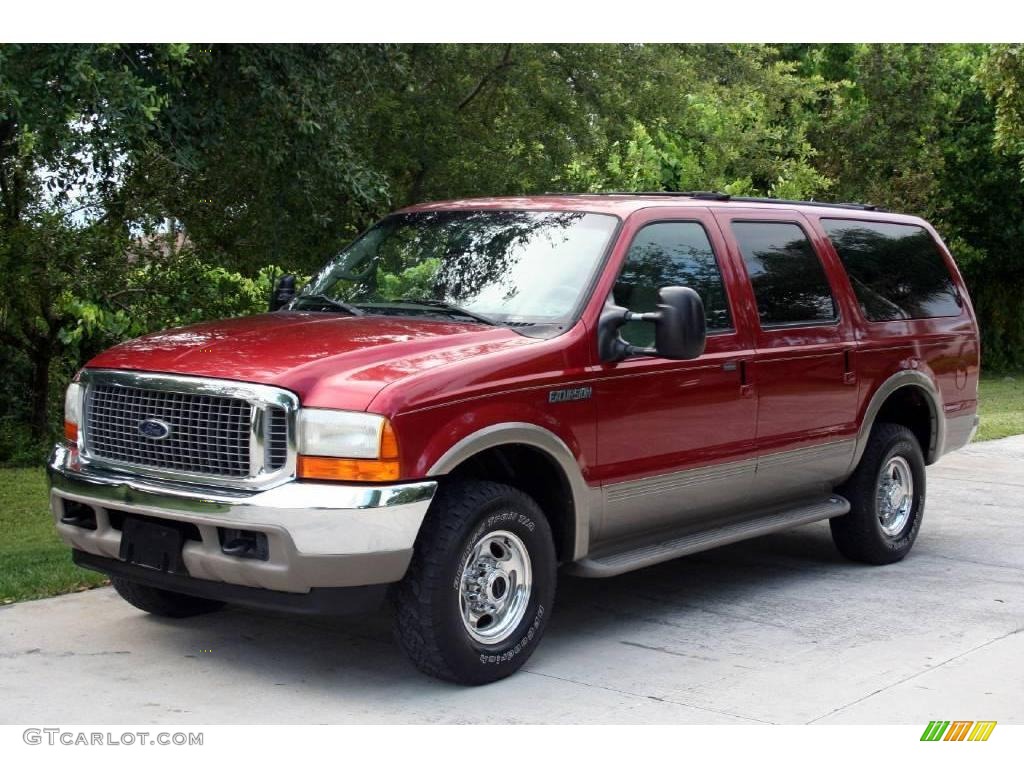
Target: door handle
746, 387
849, 375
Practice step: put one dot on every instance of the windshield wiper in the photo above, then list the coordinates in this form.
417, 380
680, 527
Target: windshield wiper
342, 305
451, 309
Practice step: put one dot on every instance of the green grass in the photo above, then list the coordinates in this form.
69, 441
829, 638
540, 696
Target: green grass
33, 560
35, 563
1001, 403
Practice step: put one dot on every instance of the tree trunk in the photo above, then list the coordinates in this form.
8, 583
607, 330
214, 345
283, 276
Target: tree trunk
40, 359
41, 350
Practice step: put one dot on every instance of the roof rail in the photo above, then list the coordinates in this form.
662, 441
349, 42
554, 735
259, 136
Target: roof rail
724, 197
780, 201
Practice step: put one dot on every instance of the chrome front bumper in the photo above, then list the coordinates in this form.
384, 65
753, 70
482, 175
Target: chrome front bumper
319, 534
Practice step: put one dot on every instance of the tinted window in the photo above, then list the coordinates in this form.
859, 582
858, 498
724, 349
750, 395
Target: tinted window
896, 270
789, 281
670, 253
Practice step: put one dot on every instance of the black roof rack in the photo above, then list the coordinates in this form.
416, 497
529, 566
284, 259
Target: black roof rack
780, 201
723, 197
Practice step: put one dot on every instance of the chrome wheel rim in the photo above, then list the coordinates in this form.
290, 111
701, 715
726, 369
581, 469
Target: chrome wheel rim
895, 496
495, 586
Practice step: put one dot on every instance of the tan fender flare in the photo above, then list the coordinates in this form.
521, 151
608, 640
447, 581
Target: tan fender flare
586, 502
932, 396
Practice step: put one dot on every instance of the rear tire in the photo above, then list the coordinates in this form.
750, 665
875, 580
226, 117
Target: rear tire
886, 494
160, 602
479, 590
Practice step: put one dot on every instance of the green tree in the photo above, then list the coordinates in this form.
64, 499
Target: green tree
282, 153
737, 119
879, 137
262, 157
70, 119
1002, 73
506, 119
984, 199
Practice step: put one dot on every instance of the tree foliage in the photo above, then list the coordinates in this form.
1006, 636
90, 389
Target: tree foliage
737, 119
1002, 74
71, 119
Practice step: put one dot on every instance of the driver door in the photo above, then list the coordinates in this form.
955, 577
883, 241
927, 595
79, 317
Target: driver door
675, 438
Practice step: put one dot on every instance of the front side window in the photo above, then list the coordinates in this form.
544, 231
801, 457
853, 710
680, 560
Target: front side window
789, 281
896, 270
516, 267
664, 254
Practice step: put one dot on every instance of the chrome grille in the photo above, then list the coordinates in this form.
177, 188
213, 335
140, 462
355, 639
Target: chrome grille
276, 438
208, 434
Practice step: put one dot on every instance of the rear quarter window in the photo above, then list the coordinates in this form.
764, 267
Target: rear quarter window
897, 270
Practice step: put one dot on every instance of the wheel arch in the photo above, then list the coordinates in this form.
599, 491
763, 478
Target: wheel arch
496, 450
909, 398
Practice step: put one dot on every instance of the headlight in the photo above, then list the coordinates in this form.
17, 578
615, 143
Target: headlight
344, 434
346, 445
73, 411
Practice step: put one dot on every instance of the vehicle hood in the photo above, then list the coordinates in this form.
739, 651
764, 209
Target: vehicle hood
328, 360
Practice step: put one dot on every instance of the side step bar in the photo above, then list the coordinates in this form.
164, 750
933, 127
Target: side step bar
614, 562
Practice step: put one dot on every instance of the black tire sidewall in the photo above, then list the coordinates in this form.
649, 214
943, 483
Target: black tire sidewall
468, 658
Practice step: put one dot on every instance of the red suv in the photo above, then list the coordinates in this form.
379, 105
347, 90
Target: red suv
478, 391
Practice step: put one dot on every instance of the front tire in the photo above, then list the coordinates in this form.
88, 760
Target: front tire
886, 494
160, 602
479, 590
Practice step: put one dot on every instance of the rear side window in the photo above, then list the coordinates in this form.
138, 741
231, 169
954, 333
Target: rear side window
789, 281
670, 253
897, 271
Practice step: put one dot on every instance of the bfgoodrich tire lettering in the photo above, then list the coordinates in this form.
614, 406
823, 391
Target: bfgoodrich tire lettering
429, 621
861, 535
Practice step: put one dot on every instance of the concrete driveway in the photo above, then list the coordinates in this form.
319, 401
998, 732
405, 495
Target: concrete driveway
777, 630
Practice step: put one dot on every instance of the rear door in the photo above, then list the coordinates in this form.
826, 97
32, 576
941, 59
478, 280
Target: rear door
675, 438
803, 368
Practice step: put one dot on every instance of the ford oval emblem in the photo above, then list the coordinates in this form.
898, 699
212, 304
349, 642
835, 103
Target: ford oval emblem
154, 429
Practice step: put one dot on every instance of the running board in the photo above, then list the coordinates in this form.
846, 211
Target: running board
622, 560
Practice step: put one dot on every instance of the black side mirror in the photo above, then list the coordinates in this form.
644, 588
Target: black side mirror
282, 293
680, 328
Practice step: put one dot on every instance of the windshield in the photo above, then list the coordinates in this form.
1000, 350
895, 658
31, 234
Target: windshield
518, 267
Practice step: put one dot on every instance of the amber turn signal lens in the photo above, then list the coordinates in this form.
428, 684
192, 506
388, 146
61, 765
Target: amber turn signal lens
388, 442
70, 431
358, 470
